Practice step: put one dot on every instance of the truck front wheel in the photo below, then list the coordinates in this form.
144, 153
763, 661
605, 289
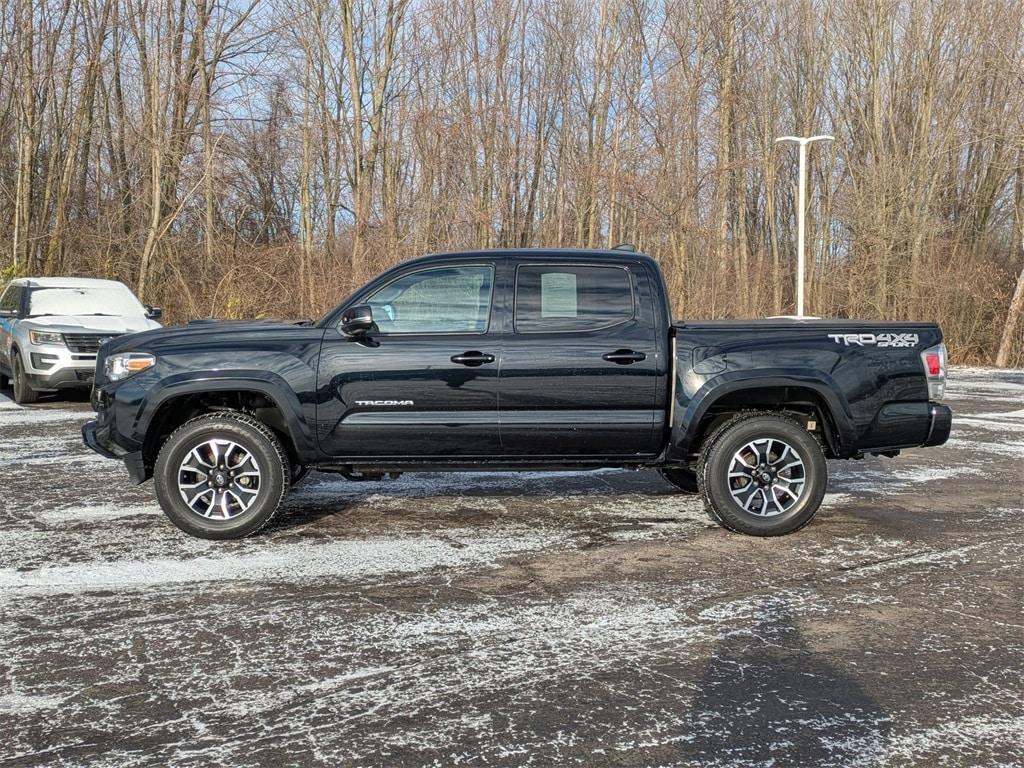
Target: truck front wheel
762, 474
221, 475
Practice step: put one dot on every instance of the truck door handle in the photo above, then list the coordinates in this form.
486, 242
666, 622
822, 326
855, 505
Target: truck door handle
472, 358
624, 356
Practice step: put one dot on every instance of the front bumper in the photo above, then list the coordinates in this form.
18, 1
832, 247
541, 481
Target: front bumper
52, 367
97, 437
62, 378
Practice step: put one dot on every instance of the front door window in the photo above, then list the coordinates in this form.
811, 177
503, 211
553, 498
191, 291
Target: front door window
444, 300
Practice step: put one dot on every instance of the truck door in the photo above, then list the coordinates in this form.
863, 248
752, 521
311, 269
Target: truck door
582, 365
425, 382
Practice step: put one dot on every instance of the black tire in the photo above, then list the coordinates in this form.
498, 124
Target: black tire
252, 437
23, 392
718, 456
682, 478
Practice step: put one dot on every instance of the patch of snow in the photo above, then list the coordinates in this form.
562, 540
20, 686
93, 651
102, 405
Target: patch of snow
836, 499
24, 417
969, 735
97, 512
1012, 448
272, 561
845, 553
16, 703
907, 475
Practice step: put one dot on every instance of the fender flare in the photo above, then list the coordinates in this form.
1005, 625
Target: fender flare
714, 389
266, 383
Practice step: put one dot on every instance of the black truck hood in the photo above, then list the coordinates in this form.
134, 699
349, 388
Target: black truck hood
200, 332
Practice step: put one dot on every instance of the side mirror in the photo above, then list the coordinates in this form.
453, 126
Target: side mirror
153, 313
356, 321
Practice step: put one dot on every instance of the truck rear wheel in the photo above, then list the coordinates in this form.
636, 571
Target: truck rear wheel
221, 476
762, 474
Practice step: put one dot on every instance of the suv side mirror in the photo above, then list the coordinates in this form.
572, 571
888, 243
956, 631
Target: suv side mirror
153, 313
356, 321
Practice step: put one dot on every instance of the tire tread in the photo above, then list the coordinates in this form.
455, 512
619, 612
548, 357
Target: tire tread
720, 433
252, 422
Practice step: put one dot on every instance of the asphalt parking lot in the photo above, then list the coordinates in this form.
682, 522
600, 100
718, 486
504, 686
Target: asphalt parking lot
518, 619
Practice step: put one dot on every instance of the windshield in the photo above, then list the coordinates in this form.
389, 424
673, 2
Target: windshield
115, 300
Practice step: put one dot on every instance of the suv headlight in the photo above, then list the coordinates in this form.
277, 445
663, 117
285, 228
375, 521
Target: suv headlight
117, 367
39, 338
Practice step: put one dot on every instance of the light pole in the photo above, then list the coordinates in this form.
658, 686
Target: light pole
803, 141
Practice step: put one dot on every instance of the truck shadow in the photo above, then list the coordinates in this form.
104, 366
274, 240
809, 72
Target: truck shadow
767, 698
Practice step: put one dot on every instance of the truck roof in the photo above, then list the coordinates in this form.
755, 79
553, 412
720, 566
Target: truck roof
536, 254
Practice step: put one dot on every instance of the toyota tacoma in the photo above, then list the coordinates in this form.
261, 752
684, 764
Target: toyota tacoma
513, 360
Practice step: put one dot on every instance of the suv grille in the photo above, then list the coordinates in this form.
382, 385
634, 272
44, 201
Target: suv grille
87, 343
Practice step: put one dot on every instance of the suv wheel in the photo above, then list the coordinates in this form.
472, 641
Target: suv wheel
762, 474
221, 476
23, 392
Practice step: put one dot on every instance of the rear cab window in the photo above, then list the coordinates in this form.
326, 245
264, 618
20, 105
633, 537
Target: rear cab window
565, 297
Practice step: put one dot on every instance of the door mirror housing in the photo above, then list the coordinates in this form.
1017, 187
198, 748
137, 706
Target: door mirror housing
153, 313
356, 322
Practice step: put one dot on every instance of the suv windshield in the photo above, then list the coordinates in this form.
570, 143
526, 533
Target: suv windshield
115, 300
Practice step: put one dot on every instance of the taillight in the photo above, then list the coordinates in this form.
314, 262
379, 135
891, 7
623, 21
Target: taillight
934, 359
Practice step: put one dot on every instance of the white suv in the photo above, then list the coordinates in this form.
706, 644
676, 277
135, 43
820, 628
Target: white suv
51, 329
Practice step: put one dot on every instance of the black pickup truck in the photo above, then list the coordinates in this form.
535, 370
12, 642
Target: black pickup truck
511, 360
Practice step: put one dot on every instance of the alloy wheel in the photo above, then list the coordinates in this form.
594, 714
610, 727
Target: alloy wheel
219, 479
767, 477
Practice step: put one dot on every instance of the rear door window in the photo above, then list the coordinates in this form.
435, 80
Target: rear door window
572, 298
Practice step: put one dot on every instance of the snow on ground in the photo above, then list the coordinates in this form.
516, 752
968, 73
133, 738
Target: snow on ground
572, 618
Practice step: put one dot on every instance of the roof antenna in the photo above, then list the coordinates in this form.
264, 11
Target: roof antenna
625, 247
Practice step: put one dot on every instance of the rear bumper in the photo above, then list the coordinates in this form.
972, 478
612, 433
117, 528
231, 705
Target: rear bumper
940, 425
910, 424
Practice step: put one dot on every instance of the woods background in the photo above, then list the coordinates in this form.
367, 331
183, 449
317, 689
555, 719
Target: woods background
238, 160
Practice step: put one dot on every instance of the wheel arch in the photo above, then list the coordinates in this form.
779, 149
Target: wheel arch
270, 405
812, 399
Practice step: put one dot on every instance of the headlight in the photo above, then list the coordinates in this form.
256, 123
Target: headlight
127, 364
46, 337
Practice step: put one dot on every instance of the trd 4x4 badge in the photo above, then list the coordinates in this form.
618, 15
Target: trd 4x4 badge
875, 339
